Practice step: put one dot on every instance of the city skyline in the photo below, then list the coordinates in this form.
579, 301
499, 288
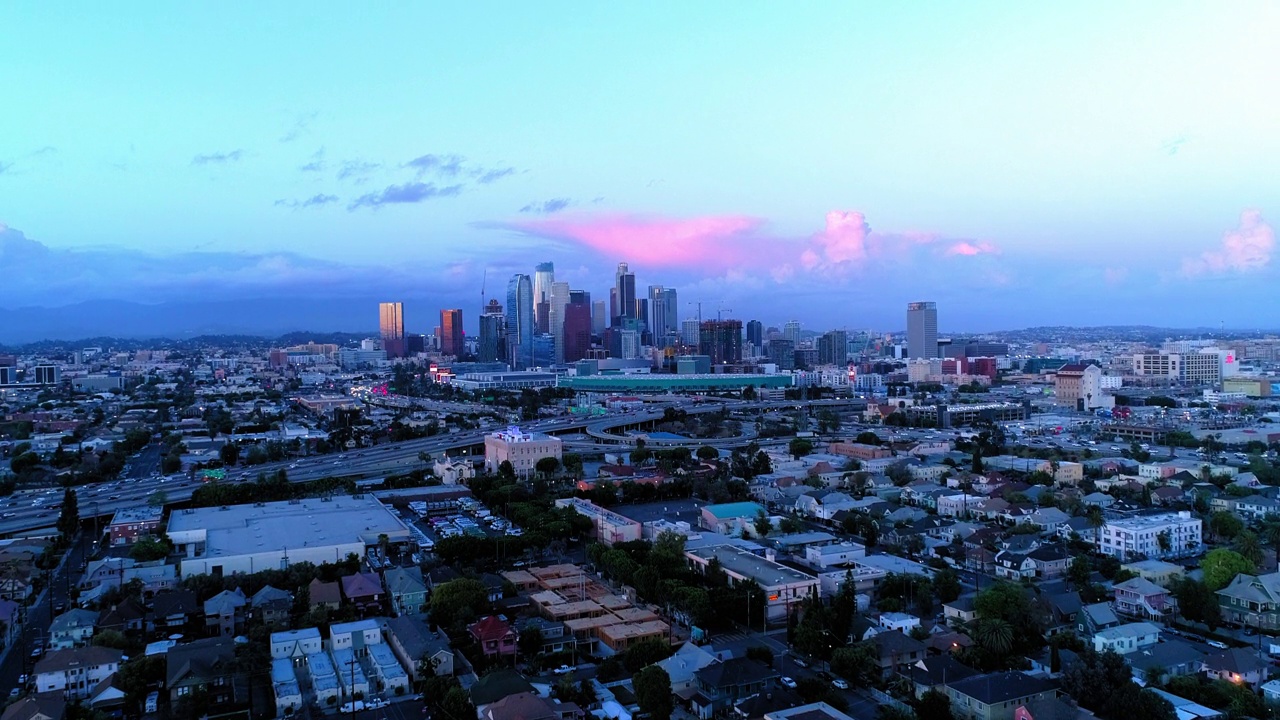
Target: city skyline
1028, 166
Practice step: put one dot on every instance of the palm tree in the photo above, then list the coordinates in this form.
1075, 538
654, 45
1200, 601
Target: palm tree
1096, 521
995, 635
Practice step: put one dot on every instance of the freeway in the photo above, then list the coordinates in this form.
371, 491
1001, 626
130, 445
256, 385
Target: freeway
30, 511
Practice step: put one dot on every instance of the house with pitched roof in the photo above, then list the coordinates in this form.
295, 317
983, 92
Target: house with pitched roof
418, 647
1095, 618
896, 650
173, 610
324, 594
73, 673
36, 707
1252, 601
205, 667
72, 628
1127, 638
724, 682
995, 696
363, 589
1236, 665
272, 606
933, 673
494, 635
224, 612
407, 589
1141, 598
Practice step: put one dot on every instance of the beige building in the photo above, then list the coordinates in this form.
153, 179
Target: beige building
606, 526
1079, 386
523, 450
783, 586
1202, 368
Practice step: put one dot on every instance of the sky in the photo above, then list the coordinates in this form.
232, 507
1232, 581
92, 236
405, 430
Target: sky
1021, 164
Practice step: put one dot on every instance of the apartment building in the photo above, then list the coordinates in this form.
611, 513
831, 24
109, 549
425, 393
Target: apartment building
1165, 535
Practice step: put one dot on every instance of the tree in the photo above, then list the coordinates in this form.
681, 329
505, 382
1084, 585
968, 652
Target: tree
530, 642
707, 453
858, 662
934, 705
229, 453
977, 460
653, 692
646, 653
946, 585
1225, 525
799, 447
1080, 570
158, 499
762, 524
1248, 545
547, 466
69, 518
994, 635
149, 548
760, 653
1012, 604
1220, 567
458, 602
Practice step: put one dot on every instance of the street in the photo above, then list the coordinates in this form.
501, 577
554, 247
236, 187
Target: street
17, 659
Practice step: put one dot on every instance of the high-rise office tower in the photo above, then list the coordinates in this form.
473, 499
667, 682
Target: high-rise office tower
791, 332
520, 322
576, 329
833, 348
689, 332
543, 276
783, 354
599, 317
922, 330
451, 332
558, 299
625, 287
492, 344
755, 333
391, 327
662, 316
721, 340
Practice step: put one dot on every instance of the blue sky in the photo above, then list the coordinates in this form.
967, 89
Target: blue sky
1019, 163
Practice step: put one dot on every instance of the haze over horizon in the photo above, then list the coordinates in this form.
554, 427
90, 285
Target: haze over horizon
1083, 164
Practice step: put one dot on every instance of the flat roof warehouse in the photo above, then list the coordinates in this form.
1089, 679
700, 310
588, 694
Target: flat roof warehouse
260, 536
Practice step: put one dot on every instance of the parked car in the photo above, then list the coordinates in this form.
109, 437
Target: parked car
788, 682
563, 670
840, 683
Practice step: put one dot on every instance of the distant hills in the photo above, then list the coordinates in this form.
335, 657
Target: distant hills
185, 320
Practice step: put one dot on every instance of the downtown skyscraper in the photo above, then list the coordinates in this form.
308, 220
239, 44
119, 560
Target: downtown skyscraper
544, 275
624, 295
451, 332
922, 330
520, 322
391, 328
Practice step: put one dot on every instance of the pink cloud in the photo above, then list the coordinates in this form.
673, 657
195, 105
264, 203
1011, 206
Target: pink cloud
845, 237
964, 247
721, 241
1245, 249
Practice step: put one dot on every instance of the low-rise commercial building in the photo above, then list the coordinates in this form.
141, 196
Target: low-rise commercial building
262, 536
782, 585
606, 526
129, 524
523, 450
